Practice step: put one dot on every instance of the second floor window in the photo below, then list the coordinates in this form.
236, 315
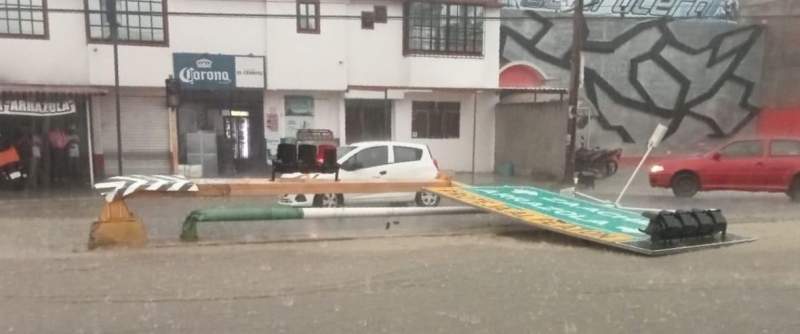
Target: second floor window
308, 16
140, 21
443, 28
23, 18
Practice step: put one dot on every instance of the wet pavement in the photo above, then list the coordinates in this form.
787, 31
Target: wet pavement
498, 277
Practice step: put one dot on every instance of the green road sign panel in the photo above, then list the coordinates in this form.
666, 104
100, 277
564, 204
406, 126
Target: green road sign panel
586, 214
574, 217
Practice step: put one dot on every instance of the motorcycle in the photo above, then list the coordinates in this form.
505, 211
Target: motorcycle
12, 175
601, 163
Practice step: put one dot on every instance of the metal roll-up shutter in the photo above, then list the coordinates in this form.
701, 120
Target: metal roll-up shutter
145, 135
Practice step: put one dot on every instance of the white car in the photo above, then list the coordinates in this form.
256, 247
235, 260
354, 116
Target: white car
375, 161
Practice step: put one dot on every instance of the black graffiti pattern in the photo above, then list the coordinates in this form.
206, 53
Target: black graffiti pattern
673, 8
684, 107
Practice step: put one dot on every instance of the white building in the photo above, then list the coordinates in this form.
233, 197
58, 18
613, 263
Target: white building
400, 70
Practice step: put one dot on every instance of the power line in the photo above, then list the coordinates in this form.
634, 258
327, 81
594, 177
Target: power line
400, 18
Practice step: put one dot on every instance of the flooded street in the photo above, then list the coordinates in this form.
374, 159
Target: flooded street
500, 277
376, 166
478, 283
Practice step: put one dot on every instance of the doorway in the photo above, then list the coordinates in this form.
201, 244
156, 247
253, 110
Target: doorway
53, 150
368, 120
222, 132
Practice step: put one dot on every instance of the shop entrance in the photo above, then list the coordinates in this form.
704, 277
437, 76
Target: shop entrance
237, 126
221, 133
367, 120
50, 139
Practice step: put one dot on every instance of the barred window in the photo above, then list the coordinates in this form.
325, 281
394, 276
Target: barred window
435, 119
23, 18
140, 21
308, 16
443, 28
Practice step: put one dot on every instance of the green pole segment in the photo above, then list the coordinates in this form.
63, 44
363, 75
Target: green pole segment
189, 229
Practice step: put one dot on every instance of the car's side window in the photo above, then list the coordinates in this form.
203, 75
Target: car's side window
785, 148
406, 154
742, 149
369, 157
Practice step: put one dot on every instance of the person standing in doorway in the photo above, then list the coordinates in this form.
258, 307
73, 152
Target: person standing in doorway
74, 153
58, 153
33, 148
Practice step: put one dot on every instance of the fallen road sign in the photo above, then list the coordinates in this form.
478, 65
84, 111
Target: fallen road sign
251, 213
118, 226
122, 187
577, 218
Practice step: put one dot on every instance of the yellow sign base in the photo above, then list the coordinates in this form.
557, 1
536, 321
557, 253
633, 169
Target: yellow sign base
117, 226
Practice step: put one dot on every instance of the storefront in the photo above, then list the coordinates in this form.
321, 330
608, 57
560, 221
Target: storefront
50, 128
220, 119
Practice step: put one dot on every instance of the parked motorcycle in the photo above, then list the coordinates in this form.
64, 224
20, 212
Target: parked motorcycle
601, 163
12, 175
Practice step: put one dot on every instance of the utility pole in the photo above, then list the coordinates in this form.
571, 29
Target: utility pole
111, 12
578, 22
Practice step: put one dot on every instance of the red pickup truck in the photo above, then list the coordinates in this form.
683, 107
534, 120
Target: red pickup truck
757, 164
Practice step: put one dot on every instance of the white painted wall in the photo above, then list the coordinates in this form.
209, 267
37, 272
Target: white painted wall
61, 59
148, 66
322, 65
302, 61
454, 154
341, 54
66, 58
326, 109
328, 113
375, 57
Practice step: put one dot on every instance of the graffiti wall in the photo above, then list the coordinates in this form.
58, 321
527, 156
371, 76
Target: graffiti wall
697, 76
637, 8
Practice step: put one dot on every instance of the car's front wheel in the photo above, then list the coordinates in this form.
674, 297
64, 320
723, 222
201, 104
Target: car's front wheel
685, 185
427, 199
328, 200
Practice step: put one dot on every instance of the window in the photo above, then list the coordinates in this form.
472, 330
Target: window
23, 18
139, 21
380, 14
367, 20
405, 154
370, 157
367, 120
443, 28
296, 105
435, 120
308, 17
750, 148
785, 148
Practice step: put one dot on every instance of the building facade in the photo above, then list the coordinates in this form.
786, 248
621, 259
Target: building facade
781, 68
250, 73
701, 77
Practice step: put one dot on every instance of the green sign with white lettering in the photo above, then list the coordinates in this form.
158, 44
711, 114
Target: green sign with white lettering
548, 210
575, 217
586, 214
